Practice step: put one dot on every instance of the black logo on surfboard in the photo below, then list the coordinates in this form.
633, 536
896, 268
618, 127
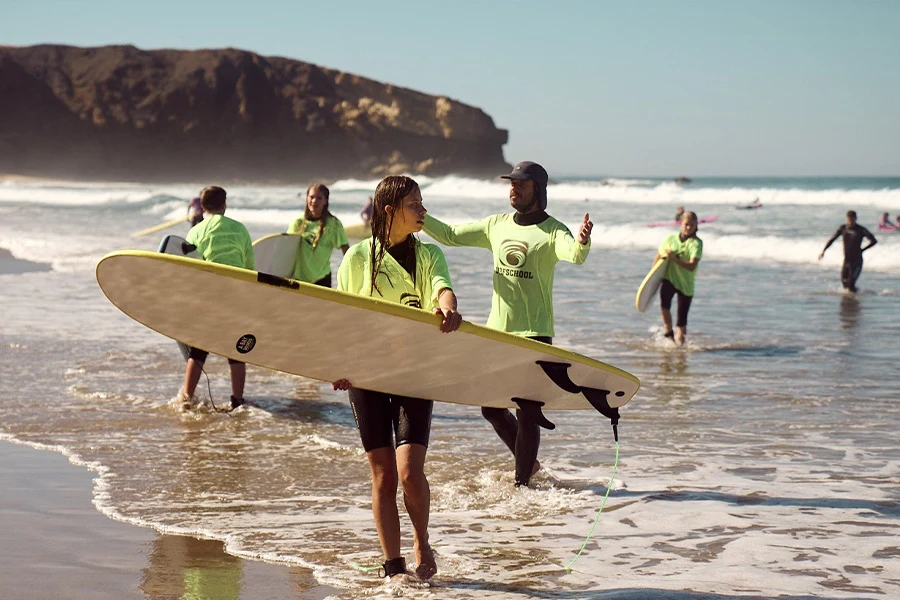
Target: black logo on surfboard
246, 343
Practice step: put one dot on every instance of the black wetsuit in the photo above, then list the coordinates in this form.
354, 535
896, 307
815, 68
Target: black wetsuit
853, 252
386, 420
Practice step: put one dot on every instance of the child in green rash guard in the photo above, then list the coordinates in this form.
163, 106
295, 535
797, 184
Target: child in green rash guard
222, 240
526, 246
321, 234
683, 251
395, 266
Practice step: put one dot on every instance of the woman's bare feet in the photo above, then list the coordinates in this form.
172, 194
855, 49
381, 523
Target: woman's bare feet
426, 567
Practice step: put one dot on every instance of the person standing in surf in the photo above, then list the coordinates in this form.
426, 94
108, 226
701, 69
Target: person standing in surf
321, 234
526, 246
852, 234
221, 240
683, 251
395, 266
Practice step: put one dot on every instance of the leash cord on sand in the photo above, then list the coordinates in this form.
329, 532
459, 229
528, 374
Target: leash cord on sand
366, 569
600, 510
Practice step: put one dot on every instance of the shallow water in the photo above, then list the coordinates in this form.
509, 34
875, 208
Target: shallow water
760, 460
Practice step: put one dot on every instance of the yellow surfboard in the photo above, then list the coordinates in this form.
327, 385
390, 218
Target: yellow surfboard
328, 335
648, 288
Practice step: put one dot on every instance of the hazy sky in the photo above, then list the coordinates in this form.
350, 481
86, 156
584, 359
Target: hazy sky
628, 87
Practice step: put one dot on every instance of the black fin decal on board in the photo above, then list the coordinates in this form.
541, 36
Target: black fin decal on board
532, 408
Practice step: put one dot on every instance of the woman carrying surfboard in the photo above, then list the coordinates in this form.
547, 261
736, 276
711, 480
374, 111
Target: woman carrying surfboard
683, 251
322, 233
395, 266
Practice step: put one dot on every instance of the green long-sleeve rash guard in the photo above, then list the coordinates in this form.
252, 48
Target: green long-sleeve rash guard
525, 258
394, 283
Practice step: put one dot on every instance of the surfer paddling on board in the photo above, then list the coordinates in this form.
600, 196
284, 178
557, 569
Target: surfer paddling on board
526, 245
683, 251
393, 265
321, 234
852, 234
222, 240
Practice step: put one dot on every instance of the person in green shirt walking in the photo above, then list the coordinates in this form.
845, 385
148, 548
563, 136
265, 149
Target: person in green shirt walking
395, 266
683, 251
222, 240
321, 234
526, 246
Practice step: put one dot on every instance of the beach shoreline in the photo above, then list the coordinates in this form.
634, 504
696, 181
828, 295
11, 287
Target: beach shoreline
58, 545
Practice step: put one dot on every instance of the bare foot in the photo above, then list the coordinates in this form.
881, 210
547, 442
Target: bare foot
537, 467
426, 567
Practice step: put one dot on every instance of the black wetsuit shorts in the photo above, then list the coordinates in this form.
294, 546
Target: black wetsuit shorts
666, 292
382, 418
200, 356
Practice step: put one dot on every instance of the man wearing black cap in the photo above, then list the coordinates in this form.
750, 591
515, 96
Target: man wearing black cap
526, 245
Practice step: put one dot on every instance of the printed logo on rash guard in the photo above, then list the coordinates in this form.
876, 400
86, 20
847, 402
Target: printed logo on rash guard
410, 300
513, 255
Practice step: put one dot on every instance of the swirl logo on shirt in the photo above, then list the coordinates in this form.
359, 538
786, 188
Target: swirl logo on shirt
410, 300
513, 254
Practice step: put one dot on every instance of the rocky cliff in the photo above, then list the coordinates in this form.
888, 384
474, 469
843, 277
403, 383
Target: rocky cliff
118, 112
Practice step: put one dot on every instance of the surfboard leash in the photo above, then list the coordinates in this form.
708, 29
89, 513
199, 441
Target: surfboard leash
568, 567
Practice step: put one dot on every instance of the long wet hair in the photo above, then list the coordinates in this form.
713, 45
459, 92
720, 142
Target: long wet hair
308, 216
390, 192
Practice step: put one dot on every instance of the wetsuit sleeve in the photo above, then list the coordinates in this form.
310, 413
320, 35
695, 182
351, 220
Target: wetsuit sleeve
568, 248
466, 234
837, 234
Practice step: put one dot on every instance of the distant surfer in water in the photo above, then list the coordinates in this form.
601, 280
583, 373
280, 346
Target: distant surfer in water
221, 240
885, 222
393, 265
683, 251
195, 211
322, 233
678, 213
852, 234
526, 246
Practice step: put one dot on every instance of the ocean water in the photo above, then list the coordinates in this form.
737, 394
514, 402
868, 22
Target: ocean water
759, 461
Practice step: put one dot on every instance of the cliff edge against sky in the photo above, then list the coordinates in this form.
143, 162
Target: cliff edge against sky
121, 113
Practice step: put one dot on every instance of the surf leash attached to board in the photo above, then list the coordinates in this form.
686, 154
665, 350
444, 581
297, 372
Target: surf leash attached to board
599, 510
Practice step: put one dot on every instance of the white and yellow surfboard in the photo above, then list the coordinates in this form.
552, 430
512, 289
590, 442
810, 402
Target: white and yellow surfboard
328, 335
650, 285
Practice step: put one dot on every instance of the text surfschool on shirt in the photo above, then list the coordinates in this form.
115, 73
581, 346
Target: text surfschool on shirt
512, 255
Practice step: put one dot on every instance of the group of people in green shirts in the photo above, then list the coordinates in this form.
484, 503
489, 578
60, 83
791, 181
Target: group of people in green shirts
393, 264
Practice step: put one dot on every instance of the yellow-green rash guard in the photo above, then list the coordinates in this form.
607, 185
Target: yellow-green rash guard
525, 258
314, 258
686, 251
222, 240
394, 283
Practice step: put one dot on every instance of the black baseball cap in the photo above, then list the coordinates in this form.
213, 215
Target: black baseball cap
528, 170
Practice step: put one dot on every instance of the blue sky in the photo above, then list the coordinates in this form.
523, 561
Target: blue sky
705, 87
